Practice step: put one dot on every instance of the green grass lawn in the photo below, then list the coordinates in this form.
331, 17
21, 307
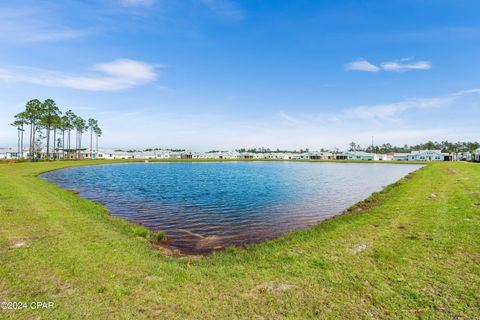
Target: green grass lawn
411, 251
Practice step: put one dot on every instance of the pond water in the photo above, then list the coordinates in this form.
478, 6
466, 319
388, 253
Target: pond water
204, 206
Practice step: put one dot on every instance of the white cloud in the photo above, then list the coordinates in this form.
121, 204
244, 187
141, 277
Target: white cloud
288, 119
226, 8
206, 132
361, 65
465, 92
401, 65
111, 76
200, 130
404, 65
137, 3
392, 110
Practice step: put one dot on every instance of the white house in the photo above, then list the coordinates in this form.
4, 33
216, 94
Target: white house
465, 156
427, 155
105, 154
359, 155
321, 155
162, 154
477, 155
380, 156
122, 155
7, 154
220, 155
401, 156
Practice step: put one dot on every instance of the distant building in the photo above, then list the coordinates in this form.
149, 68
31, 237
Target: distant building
359, 155
246, 156
428, 155
321, 155
106, 155
380, 157
465, 156
122, 155
8, 153
477, 155
401, 156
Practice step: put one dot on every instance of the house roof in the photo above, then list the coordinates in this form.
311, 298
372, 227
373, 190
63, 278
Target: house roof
424, 151
361, 153
8, 150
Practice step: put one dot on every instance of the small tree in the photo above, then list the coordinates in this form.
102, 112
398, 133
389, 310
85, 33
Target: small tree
64, 125
80, 126
50, 112
92, 124
33, 113
20, 120
71, 116
98, 134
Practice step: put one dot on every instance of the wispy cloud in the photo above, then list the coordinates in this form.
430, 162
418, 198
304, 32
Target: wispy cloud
226, 8
361, 65
401, 65
111, 76
406, 64
27, 25
136, 128
288, 119
392, 110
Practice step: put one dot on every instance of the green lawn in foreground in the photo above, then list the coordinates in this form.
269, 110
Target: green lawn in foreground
421, 259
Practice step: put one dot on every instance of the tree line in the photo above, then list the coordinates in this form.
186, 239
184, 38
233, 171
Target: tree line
444, 146
45, 120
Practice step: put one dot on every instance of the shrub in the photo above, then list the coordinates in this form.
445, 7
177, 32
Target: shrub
140, 232
158, 236
231, 249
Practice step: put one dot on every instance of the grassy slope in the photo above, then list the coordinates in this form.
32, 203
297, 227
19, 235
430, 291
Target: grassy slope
422, 258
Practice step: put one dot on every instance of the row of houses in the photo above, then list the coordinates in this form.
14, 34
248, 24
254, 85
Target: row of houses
424, 155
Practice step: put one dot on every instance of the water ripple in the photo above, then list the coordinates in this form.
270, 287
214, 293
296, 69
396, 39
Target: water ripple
206, 206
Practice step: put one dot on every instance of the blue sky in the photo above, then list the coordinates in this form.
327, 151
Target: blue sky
224, 74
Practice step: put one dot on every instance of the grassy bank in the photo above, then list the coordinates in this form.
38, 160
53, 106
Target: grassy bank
412, 251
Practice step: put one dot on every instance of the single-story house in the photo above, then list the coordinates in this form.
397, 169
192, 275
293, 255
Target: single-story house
477, 155
379, 156
321, 155
466, 156
223, 155
186, 155
246, 156
359, 155
7, 153
390, 156
162, 154
123, 155
149, 155
401, 156
105, 154
428, 155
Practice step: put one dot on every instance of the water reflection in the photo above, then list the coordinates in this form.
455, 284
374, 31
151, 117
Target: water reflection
203, 206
